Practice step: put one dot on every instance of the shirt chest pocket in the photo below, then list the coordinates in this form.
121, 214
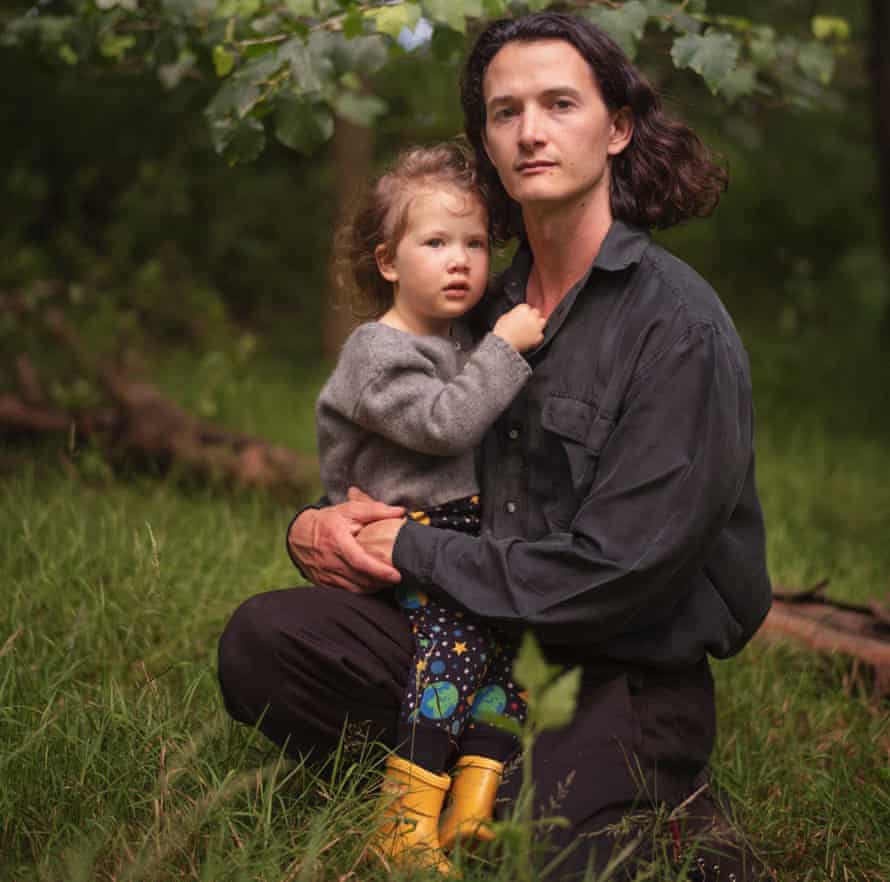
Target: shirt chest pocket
582, 432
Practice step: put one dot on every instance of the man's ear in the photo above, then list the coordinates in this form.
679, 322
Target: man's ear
385, 264
621, 131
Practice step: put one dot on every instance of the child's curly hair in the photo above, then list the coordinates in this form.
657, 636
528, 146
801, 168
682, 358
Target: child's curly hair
382, 216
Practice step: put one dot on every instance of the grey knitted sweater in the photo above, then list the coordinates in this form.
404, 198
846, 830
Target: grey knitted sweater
401, 413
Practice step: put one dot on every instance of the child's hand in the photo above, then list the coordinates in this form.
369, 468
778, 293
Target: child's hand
522, 327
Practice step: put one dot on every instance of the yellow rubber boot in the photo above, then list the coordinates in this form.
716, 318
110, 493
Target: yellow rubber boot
411, 803
474, 786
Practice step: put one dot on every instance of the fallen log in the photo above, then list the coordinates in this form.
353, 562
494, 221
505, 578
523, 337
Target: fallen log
861, 631
138, 420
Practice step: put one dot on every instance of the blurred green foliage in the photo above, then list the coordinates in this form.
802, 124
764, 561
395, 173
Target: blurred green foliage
117, 208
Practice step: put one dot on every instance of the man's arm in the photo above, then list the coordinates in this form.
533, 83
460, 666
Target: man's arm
666, 485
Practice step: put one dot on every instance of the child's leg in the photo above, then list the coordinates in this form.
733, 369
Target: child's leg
451, 658
497, 694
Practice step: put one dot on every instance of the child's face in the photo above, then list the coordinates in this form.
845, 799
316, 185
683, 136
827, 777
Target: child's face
440, 266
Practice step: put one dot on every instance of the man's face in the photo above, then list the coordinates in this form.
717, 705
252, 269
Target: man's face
547, 131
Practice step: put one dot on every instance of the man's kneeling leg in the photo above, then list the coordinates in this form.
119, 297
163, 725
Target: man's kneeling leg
302, 662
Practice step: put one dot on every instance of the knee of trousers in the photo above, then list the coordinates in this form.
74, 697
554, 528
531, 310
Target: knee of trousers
246, 649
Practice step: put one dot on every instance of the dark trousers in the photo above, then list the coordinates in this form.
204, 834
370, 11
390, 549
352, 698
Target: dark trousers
303, 661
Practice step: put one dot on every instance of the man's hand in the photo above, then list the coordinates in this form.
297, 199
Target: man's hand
324, 542
379, 538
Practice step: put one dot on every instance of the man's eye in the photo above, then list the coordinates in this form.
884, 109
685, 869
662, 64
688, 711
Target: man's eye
562, 104
503, 113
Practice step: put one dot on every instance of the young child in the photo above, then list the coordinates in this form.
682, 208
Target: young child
411, 397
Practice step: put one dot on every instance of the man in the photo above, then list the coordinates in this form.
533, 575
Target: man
621, 520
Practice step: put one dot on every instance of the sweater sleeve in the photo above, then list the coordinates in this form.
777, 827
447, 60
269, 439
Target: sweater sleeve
408, 403
647, 522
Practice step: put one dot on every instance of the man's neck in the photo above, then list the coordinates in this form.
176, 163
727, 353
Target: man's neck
564, 242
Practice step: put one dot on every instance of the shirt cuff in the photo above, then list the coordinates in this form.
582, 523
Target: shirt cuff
324, 502
415, 551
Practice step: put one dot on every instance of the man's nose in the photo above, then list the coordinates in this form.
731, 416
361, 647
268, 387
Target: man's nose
530, 131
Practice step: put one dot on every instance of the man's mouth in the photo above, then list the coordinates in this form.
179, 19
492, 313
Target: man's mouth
535, 165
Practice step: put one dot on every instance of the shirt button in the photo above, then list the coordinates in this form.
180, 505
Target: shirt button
511, 507
513, 434
457, 344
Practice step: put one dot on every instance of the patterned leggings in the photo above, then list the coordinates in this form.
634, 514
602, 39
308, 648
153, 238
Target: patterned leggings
462, 669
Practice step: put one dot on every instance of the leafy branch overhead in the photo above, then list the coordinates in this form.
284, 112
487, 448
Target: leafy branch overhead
285, 67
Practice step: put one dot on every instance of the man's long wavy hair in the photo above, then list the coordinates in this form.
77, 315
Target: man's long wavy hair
663, 177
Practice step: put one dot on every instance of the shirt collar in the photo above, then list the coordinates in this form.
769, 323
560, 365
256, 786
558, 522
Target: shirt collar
623, 246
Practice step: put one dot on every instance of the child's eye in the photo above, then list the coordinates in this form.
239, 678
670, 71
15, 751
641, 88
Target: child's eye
435, 242
478, 243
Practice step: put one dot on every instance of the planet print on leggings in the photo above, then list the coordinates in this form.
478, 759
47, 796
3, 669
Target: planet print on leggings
409, 598
439, 700
490, 700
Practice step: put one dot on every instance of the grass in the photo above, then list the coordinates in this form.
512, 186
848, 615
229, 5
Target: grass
118, 762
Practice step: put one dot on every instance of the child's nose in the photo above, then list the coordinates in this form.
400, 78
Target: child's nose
459, 260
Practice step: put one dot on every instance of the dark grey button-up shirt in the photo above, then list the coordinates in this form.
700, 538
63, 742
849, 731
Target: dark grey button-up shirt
621, 518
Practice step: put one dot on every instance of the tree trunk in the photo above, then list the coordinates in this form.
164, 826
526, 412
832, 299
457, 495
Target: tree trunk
353, 155
879, 74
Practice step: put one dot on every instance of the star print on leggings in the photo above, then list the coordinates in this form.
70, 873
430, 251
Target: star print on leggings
460, 669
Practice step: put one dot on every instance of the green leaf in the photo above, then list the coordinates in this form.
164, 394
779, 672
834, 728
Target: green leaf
233, 100
360, 109
300, 8
257, 71
712, 56
245, 9
555, 706
829, 27
738, 82
662, 12
625, 24
247, 96
302, 125
353, 24
366, 55
115, 46
246, 141
190, 10
494, 8
391, 19
295, 53
447, 12
762, 46
223, 61
67, 54
537, 5
530, 669
237, 140
266, 24
816, 61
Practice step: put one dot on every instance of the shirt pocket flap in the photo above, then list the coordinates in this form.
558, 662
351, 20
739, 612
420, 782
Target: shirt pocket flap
568, 417
577, 421
581, 429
